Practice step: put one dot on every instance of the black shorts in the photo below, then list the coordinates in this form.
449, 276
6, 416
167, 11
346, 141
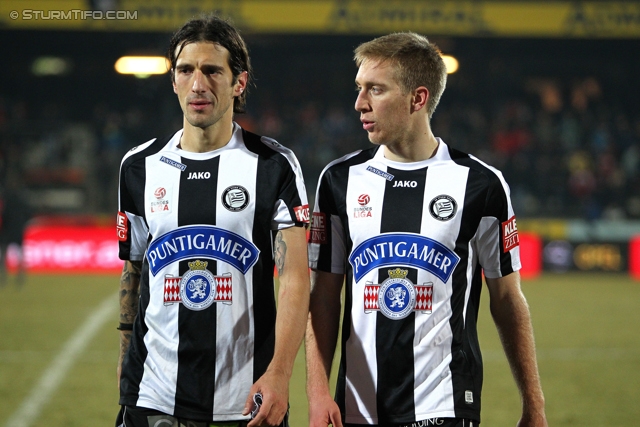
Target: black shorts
134, 416
440, 422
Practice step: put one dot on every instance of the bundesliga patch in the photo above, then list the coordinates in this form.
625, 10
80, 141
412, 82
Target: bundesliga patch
198, 288
397, 296
363, 210
510, 237
161, 203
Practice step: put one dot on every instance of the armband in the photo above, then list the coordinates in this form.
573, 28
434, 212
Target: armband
125, 327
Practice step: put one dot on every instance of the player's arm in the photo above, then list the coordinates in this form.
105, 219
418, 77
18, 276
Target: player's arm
320, 346
290, 256
511, 315
129, 298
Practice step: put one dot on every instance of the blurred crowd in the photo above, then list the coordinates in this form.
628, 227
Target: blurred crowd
567, 148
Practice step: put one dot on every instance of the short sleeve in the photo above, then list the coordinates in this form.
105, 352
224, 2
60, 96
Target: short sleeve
327, 240
131, 227
291, 207
497, 237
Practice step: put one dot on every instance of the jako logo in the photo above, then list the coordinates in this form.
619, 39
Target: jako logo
364, 199
412, 184
199, 175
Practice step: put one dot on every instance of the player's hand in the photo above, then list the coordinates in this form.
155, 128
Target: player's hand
324, 411
274, 388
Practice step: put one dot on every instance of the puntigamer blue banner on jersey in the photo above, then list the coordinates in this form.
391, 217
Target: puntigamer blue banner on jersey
403, 249
205, 241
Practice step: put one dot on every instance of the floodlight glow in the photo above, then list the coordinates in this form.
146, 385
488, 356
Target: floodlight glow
50, 66
451, 63
142, 66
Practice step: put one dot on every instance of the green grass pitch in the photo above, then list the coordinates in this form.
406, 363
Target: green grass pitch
586, 332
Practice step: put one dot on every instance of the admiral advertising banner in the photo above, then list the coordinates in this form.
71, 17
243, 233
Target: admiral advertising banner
590, 19
565, 255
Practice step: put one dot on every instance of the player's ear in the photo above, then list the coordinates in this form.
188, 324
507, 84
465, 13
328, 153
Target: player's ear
241, 83
173, 82
419, 98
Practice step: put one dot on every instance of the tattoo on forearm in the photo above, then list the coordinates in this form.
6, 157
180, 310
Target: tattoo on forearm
129, 291
280, 252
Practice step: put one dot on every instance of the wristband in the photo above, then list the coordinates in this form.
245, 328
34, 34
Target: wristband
125, 327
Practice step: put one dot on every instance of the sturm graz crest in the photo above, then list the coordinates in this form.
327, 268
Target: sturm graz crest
397, 295
197, 287
443, 207
235, 198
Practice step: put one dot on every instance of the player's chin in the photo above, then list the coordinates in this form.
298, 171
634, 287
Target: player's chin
375, 139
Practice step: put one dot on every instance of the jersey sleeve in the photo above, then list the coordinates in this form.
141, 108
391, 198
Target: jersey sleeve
327, 240
292, 206
497, 237
131, 226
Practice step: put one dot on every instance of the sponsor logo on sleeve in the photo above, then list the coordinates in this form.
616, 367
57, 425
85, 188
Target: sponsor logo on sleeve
302, 213
122, 226
510, 237
403, 249
318, 229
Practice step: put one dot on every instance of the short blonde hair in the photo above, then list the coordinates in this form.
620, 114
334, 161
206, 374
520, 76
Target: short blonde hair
417, 62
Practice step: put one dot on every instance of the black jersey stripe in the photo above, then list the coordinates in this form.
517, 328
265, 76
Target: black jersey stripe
196, 365
496, 202
395, 395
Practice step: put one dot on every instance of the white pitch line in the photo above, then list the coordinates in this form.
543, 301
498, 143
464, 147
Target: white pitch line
57, 370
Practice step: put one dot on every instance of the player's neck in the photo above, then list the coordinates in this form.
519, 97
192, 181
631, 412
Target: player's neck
199, 140
414, 150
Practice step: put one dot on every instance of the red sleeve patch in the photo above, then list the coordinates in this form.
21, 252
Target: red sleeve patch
318, 229
122, 226
302, 213
510, 237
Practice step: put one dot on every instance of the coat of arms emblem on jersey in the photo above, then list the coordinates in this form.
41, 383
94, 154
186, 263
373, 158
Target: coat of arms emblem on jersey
198, 288
397, 296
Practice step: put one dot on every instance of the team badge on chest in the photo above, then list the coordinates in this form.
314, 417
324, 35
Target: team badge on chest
397, 296
235, 198
443, 207
198, 288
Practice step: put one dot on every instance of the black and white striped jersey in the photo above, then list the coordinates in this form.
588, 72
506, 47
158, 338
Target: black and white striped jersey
203, 225
413, 240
